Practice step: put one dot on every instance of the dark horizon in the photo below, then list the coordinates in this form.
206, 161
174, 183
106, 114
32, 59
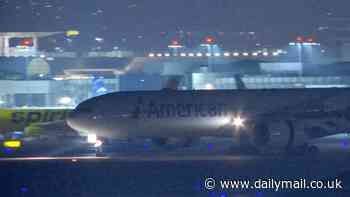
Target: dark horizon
276, 20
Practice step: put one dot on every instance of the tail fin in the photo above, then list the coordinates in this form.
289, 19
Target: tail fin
239, 82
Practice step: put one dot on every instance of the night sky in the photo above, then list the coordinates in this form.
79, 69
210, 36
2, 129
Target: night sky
280, 19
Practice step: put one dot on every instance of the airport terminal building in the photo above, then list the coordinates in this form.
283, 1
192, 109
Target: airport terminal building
31, 75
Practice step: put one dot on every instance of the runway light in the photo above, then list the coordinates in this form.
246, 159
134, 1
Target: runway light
167, 55
24, 189
159, 55
208, 54
210, 146
226, 54
12, 144
255, 54
275, 53
191, 54
199, 54
265, 54
236, 54
238, 122
146, 146
183, 54
223, 195
151, 55
245, 54
259, 194
98, 39
9, 151
217, 54
92, 138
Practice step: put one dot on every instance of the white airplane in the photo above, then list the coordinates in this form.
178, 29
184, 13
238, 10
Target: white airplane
264, 119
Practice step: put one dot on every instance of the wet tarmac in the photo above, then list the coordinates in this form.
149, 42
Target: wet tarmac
163, 175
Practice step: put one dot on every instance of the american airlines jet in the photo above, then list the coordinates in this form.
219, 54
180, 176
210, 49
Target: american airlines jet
266, 119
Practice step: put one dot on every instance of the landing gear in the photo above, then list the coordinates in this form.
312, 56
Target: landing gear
99, 152
97, 144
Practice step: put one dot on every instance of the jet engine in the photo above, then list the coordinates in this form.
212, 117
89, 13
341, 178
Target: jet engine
280, 136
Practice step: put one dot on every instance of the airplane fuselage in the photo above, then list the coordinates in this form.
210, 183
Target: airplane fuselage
162, 114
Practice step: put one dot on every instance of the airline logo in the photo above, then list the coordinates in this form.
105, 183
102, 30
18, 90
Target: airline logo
23, 117
154, 110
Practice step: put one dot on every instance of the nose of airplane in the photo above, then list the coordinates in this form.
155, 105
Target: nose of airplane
79, 120
73, 119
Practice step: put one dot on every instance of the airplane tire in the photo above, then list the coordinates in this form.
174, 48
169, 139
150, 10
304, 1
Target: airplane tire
99, 152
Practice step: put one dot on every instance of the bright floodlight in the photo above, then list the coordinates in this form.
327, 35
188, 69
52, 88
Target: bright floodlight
65, 100
238, 122
209, 40
199, 54
209, 86
151, 55
245, 54
12, 144
255, 54
70, 33
275, 53
92, 138
236, 54
98, 143
191, 54
217, 54
98, 39
208, 54
183, 54
166, 54
159, 55
226, 54
265, 54
175, 44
